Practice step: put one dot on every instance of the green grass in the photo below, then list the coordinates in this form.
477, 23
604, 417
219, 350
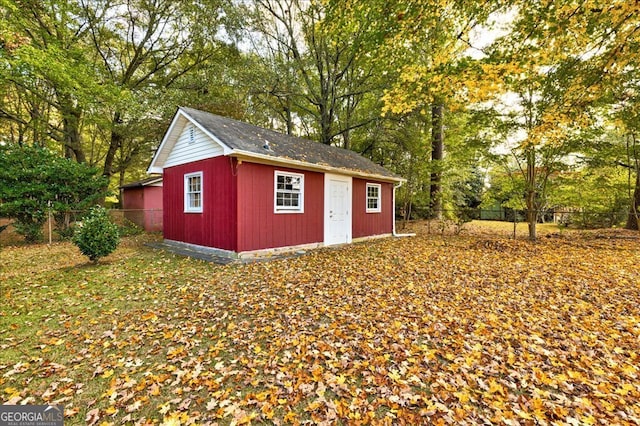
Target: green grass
506, 228
393, 330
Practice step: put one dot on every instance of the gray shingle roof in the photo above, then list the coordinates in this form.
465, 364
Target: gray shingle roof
246, 137
144, 182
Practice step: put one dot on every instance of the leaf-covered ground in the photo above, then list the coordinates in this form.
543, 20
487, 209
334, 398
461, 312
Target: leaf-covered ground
423, 330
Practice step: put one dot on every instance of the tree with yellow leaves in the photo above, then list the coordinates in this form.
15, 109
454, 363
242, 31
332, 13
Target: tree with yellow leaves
565, 52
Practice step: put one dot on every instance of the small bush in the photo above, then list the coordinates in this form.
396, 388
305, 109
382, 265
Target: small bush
96, 237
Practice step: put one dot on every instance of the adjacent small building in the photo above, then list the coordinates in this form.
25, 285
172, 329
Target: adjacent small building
142, 203
244, 190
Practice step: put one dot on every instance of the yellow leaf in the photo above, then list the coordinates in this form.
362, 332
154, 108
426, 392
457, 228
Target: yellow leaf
523, 414
291, 417
111, 410
11, 391
574, 374
149, 316
262, 396
267, 410
625, 389
462, 396
394, 375
495, 387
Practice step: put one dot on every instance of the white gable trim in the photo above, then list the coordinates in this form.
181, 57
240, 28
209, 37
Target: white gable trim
171, 137
192, 145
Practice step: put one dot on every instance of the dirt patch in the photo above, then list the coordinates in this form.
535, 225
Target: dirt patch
9, 236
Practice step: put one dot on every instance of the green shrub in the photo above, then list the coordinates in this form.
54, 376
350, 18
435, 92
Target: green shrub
35, 181
30, 229
97, 236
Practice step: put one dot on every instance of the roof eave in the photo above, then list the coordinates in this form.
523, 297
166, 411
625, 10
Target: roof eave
141, 184
154, 167
290, 163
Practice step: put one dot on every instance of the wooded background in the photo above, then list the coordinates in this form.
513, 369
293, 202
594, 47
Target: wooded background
506, 103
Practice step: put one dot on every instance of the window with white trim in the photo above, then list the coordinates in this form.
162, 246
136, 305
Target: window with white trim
374, 195
193, 192
289, 192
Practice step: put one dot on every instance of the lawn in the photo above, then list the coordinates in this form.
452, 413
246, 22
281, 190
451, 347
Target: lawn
460, 329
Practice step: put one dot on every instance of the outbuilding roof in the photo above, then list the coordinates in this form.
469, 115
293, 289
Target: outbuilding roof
150, 181
247, 141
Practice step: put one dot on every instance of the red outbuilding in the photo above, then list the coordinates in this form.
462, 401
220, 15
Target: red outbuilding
142, 203
244, 190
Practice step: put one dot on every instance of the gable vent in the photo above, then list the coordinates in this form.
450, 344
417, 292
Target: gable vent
192, 134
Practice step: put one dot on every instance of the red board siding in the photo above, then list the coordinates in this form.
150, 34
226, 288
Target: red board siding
143, 206
153, 197
259, 227
133, 198
216, 226
133, 206
367, 224
153, 208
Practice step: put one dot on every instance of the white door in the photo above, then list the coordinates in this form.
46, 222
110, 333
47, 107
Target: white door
337, 209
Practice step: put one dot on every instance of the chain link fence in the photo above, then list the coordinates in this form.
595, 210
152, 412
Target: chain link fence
511, 222
59, 225
131, 221
581, 219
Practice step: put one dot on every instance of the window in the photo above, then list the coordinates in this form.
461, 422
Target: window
193, 192
289, 192
373, 198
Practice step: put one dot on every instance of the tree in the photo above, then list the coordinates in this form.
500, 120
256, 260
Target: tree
429, 47
34, 181
317, 59
633, 220
626, 114
615, 153
90, 75
562, 58
141, 46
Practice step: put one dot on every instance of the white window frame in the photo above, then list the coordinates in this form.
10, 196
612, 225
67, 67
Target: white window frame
288, 209
378, 199
188, 208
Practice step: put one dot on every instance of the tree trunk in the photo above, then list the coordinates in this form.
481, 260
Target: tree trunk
531, 198
71, 116
288, 118
326, 125
633, 221
114, 144
437, 151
